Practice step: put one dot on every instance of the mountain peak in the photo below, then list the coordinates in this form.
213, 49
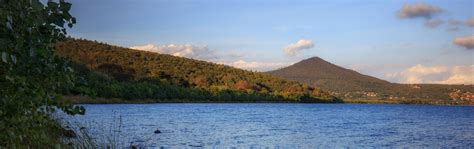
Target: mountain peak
315, 58
315, 63
315, 71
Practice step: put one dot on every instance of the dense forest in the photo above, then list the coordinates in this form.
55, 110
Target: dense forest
115, 72
349, 84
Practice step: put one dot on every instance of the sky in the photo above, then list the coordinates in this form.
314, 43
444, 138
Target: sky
396, 40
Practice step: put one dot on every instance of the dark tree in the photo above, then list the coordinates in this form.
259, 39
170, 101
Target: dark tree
30, 74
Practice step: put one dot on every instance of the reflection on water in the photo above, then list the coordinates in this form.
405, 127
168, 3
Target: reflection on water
280, 125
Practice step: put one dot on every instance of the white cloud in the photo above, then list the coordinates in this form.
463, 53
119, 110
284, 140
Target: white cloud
418, 10
460, 75
181, 50
295, 48
435, 74
254, 65
466, 42
203, 53
424, 70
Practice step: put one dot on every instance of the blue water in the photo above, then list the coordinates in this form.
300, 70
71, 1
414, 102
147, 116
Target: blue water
280, 125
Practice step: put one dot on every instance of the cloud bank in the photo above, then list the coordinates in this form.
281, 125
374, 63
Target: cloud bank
254, 65
466, 42
435, 74
181, 50
460, 75
418, 10
295, 48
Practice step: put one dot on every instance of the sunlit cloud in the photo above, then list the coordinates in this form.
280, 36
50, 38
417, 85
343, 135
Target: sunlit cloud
460, 75
181, 50
255, 65
435, 74
295, 48
424, 70
466, 42
418, 10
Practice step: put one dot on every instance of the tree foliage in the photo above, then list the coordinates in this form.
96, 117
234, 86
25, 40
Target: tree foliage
176, 77
30, 74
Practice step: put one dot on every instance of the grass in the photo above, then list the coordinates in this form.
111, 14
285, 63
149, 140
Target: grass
105, 134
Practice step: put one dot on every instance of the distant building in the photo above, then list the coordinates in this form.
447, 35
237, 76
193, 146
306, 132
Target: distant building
371, 93
415, 86
457, 94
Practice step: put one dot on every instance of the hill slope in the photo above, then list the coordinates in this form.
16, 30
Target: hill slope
351, 84
120, 66
317, 72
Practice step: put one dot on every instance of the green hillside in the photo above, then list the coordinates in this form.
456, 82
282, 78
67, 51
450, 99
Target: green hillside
349, 84
115, 72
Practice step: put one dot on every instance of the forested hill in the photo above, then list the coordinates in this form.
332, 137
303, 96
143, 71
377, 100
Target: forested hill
350, 84
116, 72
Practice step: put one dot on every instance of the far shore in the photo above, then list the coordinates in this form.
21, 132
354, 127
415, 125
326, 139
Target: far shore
99, 100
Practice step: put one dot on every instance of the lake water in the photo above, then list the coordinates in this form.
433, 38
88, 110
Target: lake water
280, 125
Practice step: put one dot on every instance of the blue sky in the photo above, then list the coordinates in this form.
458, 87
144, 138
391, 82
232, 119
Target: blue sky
367, 36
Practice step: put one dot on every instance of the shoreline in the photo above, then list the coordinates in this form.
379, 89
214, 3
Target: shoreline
100, 100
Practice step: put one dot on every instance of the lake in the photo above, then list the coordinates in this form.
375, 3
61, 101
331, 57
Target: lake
261, 125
